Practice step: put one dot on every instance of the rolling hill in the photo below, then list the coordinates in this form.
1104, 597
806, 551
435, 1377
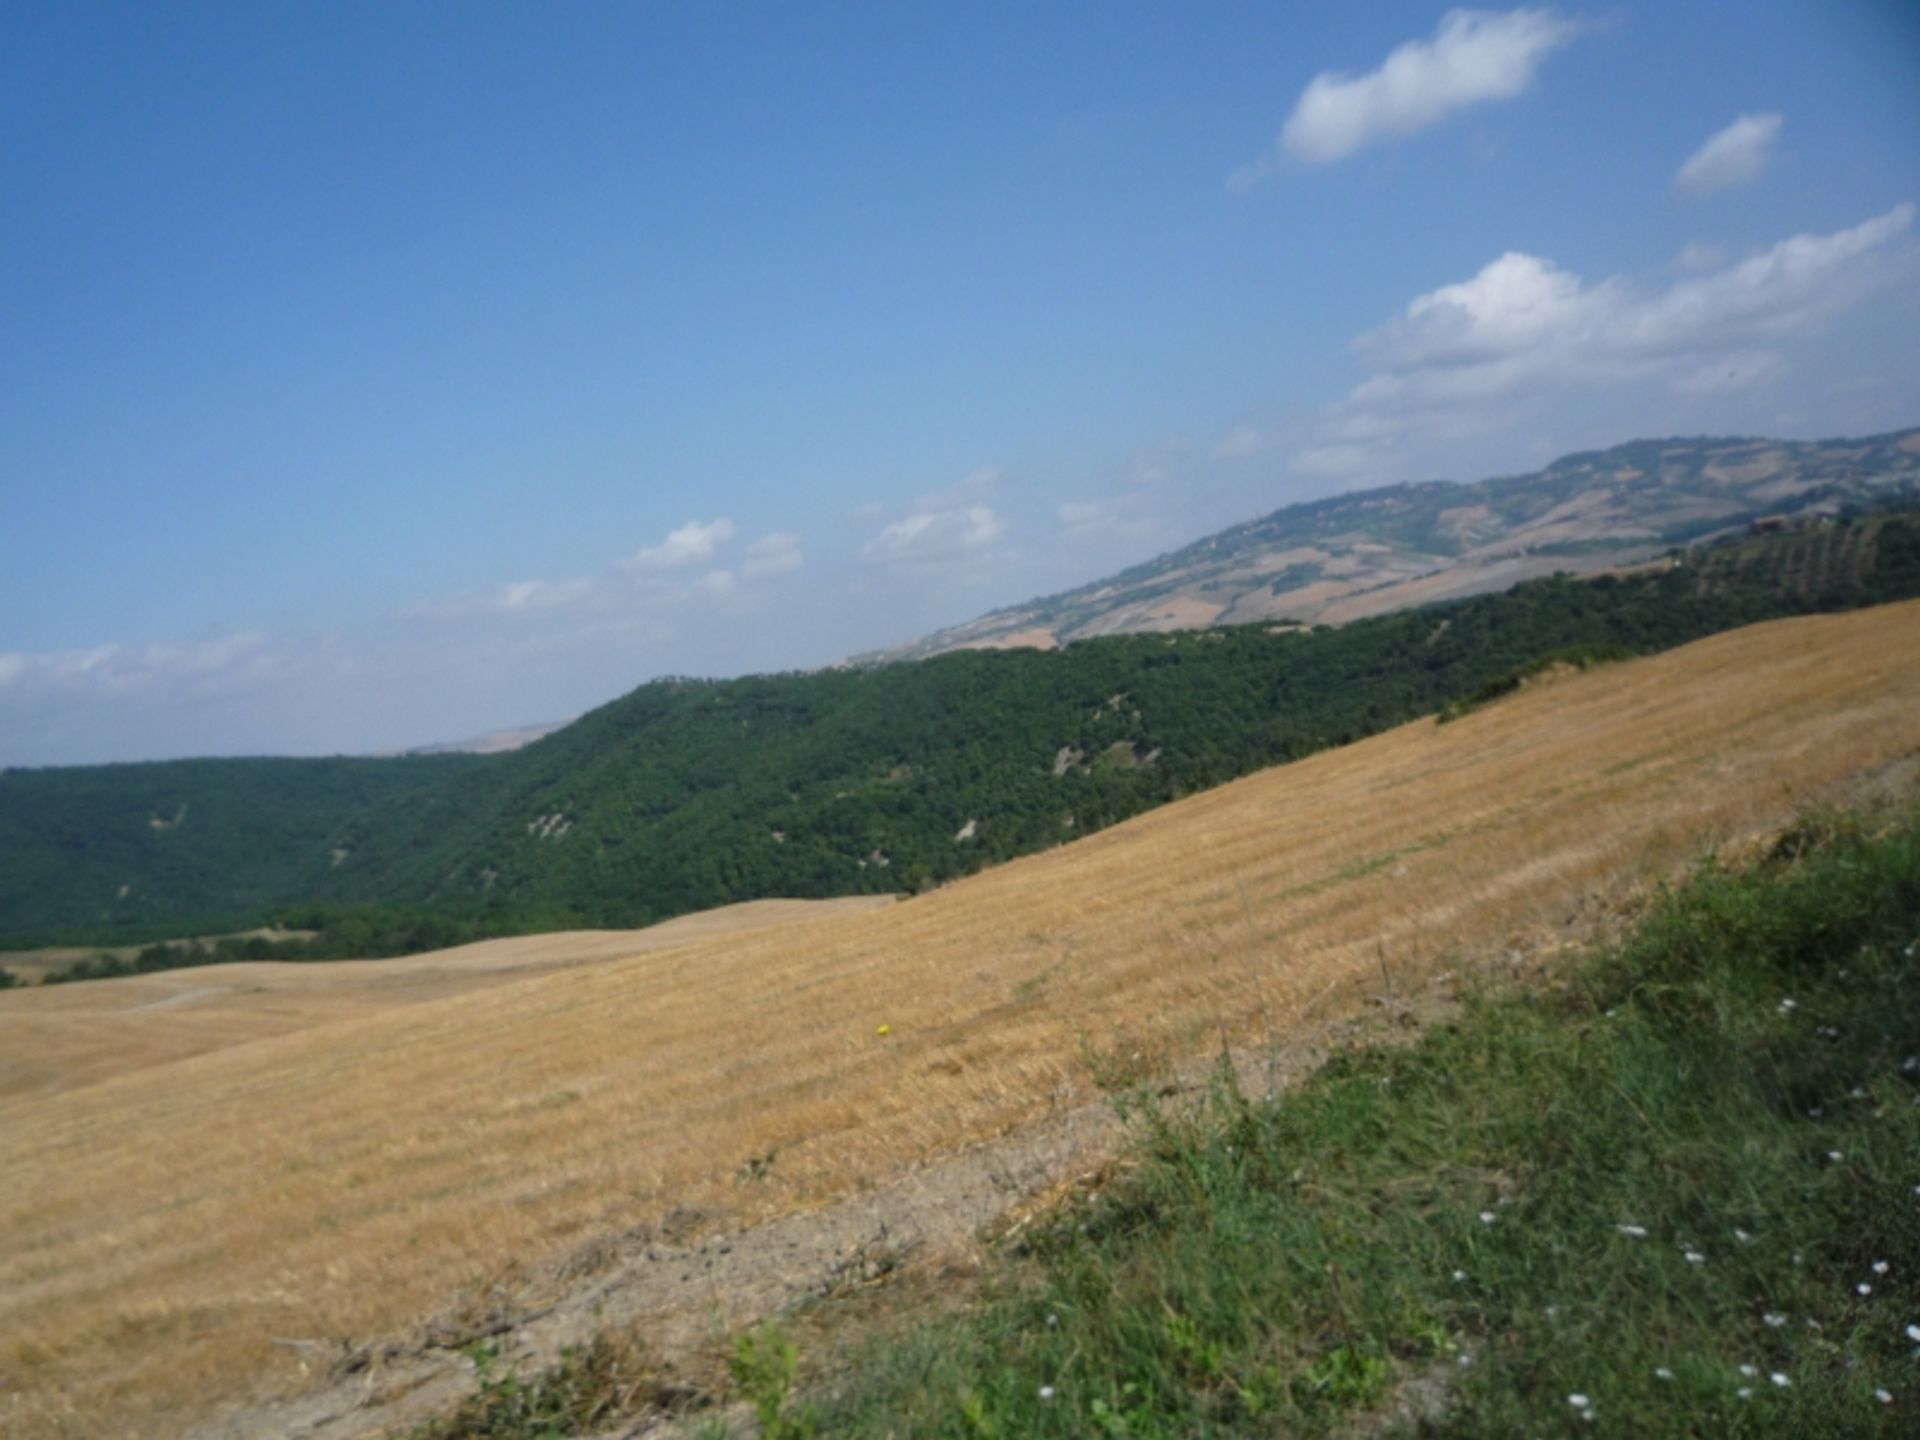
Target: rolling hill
685, 795
189, 1234
1374, 551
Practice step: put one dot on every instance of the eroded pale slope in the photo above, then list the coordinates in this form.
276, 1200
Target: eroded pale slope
156, 1229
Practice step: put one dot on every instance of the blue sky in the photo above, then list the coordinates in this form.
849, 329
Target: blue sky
372, 375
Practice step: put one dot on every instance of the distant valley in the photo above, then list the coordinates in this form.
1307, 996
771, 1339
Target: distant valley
684, 796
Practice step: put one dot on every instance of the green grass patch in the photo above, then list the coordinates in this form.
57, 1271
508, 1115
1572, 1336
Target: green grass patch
1675, 1196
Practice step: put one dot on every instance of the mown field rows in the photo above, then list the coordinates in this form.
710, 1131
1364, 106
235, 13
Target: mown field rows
159, 1227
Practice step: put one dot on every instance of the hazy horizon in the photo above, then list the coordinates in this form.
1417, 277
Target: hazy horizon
383, 378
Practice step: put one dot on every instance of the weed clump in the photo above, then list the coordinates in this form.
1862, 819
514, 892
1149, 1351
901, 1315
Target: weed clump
587, 1388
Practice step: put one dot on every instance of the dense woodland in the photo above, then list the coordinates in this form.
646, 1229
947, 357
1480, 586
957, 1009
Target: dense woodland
199, 845
687, 794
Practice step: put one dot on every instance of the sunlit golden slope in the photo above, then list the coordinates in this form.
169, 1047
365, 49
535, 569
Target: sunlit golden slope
157, 1227
54, 1039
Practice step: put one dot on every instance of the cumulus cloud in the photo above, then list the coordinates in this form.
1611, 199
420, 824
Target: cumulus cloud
931, 536
694, 543
773, 554
1475, 56
1459, 358
1733, 157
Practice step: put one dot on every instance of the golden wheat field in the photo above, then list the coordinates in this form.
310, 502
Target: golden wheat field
162, 1218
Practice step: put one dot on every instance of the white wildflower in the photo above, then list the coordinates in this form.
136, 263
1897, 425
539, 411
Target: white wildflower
1774, 1321
1745, 1392
1487, 1217
1863, 1288
1053, 1322
1913, 1333
1911, 1065
1789, 1005
1579, 1401
1880, 1267
1694, 1257
1661, 1372
1459, 1277
1883, 1395
1749, 1371
1638, 1232
1836, 1156
1779, 1379
1742, 1236
1046, 1392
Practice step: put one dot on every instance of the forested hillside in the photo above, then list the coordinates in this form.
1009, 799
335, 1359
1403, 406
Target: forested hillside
180, 846
686, 794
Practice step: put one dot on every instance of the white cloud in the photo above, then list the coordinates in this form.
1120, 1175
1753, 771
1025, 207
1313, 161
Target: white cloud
1119, 517
1475, 56
650, 580
971, 489
515, 597
1460, 359
204, 665
773, 554
1513, 304
931, 536
1733, 157
694, 543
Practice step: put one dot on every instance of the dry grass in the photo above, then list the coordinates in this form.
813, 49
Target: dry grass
70, 1035
34, 965
157, 1227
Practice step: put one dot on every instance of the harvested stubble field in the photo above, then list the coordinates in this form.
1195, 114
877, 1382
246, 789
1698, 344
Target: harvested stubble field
158, 1226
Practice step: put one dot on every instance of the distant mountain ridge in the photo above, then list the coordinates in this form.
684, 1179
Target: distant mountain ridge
1373, 551
494, 742
684, 795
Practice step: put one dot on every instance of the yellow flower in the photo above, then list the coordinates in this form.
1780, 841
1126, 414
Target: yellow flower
884, 1029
